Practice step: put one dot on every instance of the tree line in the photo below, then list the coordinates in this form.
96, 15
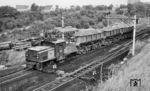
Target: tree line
76, 16
140, 9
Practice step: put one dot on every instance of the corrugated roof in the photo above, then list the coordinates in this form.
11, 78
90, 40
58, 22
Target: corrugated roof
90, 31
39, 48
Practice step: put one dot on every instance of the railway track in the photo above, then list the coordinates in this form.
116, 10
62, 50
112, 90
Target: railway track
79, 72
85, 69
14, 76
10, 70
77, 64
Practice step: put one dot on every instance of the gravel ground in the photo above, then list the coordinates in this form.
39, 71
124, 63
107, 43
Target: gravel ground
24, 82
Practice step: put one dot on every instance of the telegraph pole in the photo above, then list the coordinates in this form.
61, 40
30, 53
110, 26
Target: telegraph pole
62, 22
134, 34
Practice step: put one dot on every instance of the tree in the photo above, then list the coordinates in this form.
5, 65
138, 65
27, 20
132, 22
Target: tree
88, 7
78, 7
72, 7
110, 7
85, 22
34, 7
57, 7
35, 16
119, 11
10, 24
123, 6
141, 8
7, 11
101, 7
137, 8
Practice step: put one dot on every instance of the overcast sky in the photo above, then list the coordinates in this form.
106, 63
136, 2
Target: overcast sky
64, 3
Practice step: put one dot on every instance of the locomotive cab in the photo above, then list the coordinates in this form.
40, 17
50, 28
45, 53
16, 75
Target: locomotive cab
59, 46
40, 56
37, 57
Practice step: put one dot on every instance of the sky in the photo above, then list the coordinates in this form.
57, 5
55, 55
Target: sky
64, 3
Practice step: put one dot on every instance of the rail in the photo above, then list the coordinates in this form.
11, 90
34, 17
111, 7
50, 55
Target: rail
85, 69
14, 76
81, 71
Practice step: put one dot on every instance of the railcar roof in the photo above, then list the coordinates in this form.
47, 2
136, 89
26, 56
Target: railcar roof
90, 31
122, 25
65, 29
40, 48
110, 28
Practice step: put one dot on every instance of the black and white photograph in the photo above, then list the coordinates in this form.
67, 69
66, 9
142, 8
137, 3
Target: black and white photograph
75, 45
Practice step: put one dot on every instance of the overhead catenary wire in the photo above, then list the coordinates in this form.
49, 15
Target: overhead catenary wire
134, 29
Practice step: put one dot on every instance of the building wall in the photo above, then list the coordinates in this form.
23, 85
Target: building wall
22, 8
133, 1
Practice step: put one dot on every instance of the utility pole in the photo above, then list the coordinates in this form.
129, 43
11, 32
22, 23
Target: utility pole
134, 34
62, 22
134, 31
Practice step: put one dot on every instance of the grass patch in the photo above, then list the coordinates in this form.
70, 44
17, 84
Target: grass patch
137, 67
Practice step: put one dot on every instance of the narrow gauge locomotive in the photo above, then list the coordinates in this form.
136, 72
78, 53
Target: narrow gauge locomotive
84, 40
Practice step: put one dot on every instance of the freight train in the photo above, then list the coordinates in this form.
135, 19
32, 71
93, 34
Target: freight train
81, 41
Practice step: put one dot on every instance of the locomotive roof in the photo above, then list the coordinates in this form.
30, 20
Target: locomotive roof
40, 48
90, 31
65, 29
